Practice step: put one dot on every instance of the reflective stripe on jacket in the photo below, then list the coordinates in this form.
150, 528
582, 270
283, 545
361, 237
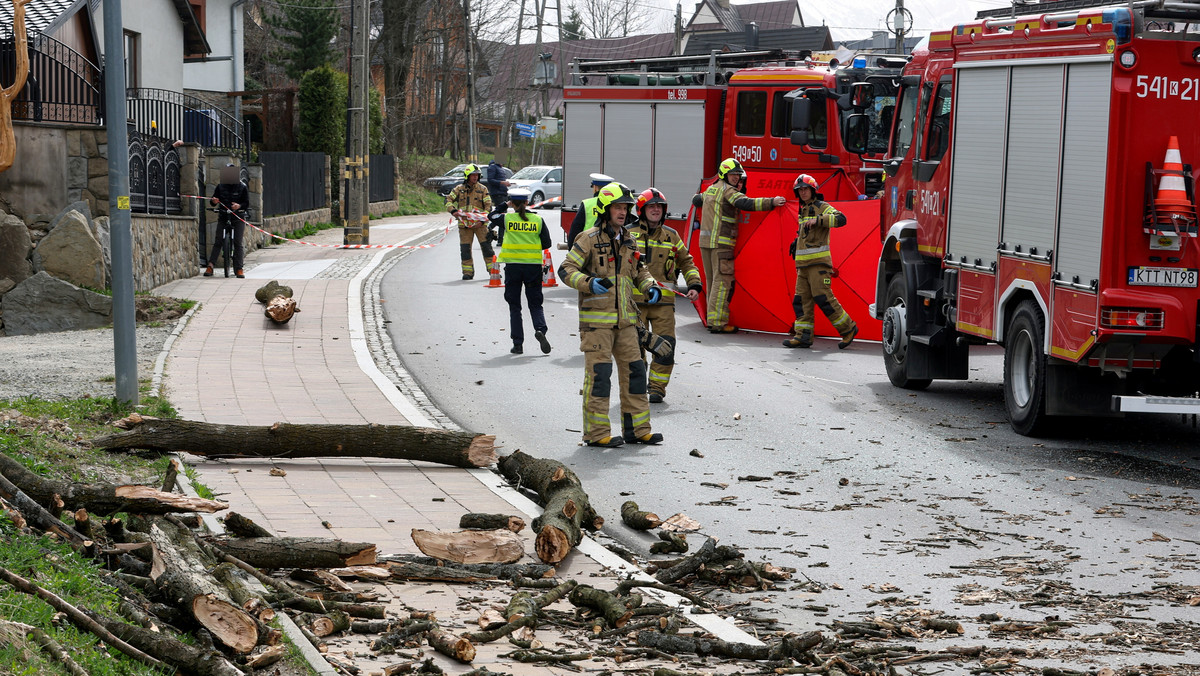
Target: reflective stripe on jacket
522, 240
597, 254
812, 239
665, 256
469, 198
719, 207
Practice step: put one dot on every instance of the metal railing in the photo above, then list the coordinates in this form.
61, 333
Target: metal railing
63, 85
180, 117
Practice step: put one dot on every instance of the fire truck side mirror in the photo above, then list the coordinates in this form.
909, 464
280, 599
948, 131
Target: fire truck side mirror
862, 95
801, 114
856, 132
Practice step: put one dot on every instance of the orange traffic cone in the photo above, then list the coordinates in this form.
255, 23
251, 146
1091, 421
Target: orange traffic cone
1172, 199
548, 276
494, 275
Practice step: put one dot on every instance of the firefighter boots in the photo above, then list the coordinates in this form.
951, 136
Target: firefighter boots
649, 438
607, 442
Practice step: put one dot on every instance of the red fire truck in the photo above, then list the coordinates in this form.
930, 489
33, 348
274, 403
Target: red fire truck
1024, 206
668, 122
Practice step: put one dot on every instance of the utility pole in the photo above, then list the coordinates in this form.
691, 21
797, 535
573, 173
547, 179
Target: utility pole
355, 229
115, 115
899, 26
537, 52
678, 49
506, 130
471, 154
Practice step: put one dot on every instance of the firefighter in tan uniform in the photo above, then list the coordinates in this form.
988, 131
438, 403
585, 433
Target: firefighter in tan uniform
814, 267
720, 207
665, 256
604, 267
470, 195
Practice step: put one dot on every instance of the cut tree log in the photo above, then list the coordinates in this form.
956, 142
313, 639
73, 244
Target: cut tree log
636, 518
26, 508
503, 571
270, 290
470, 546
454, 647
689, 564
240, 526
672, 543
185, 658
280, 309
184, 579
101, 498
567, 507
290, 552
614, 610
491, 522
284, 440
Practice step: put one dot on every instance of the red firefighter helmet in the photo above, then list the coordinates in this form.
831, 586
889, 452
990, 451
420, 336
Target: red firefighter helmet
651, 196
805, 180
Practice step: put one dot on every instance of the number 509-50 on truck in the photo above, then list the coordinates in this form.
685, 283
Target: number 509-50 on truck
1039, 195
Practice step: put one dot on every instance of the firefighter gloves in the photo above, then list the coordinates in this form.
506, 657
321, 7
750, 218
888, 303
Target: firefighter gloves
598, 287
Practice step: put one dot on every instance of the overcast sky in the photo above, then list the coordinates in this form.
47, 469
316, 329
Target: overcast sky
850, 19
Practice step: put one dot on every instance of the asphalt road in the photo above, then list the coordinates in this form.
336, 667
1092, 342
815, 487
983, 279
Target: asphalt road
886, 502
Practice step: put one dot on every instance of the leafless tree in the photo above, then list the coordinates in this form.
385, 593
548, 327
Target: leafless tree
615, 18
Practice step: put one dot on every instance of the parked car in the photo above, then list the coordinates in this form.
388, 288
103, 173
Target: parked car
445, 183
542, 182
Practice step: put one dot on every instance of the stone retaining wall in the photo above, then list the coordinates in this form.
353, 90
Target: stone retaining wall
281, 225
378, 209
164, 249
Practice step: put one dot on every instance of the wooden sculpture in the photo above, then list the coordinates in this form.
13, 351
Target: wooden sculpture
8, 140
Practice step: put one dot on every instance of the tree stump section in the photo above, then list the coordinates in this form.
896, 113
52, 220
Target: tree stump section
470, 546
280, 309
636, 518
283, 440
567, 507
270, 290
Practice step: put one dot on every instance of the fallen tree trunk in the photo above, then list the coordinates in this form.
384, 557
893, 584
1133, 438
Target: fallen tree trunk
291, 552
567, 507
240, 526
470, 546
491, 522
284, 440
36, 515
101, 498
184, 578
186, 658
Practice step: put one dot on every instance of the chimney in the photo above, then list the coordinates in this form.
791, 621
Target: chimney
751, 36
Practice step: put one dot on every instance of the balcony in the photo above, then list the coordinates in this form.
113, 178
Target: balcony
63, 86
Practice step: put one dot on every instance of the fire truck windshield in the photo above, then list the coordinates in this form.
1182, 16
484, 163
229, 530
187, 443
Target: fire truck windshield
880, 112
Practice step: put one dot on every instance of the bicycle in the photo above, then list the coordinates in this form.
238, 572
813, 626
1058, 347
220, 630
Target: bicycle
226, 232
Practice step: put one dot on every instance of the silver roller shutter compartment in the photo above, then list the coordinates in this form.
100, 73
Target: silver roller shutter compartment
679, 153
1085, 156
981, 110
627, 136
581, 149
1034, 140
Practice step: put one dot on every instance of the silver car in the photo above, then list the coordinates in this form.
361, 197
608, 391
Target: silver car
542, 182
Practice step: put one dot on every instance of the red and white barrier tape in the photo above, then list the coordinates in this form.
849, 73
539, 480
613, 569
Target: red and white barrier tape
445, 232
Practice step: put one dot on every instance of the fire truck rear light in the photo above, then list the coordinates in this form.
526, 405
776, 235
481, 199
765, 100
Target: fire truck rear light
1131, 318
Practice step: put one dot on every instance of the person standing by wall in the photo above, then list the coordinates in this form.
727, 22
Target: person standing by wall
665, 256
470, 196
523, 237
604, 266
720, 206
230, 197
814, 267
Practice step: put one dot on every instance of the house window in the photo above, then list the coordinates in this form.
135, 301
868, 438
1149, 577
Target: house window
751, 113
439, 50
133, 58
197, 10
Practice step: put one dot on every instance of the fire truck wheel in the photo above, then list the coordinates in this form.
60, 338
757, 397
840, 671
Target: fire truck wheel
895, 338
1025, 370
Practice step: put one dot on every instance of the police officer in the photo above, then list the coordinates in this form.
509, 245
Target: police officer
586, 216
814, 266
604, 266
523, 237
719, 206
470, 196
665, 256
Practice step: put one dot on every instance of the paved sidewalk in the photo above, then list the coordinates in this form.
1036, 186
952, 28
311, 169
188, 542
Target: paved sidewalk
232, 365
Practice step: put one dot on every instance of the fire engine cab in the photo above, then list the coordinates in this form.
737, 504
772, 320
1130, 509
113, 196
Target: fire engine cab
1040, 195
668, 122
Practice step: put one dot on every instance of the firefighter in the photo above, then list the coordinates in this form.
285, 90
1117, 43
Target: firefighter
665, 255
523, 237
586, 216
604, 266
470, 195
814, 266
719, 215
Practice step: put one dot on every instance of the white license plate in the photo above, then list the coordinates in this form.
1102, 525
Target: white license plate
1145, 276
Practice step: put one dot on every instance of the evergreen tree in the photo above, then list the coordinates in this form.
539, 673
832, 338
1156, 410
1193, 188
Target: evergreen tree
306, 29
572, 28
322, 100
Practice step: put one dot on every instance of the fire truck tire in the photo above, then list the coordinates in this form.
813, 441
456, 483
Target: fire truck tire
1025, 370
895, 338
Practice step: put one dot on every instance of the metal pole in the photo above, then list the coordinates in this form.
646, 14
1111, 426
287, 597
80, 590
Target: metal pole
364, 121
898, 24
124, 335
356, 210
